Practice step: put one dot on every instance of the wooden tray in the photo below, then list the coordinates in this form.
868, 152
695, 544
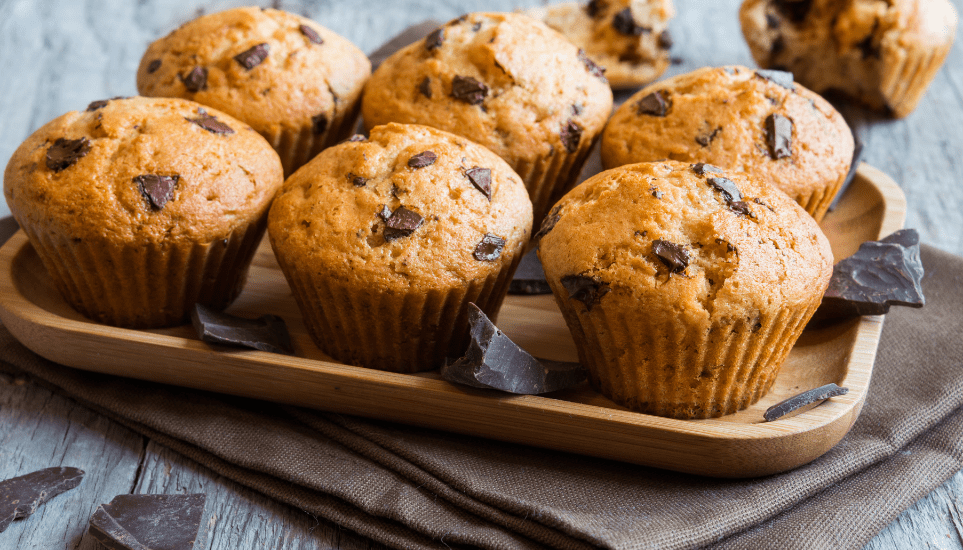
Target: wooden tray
579, 420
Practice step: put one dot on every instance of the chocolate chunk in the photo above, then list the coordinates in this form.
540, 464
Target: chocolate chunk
702, 169
571, 134
64, 153
319, 123
706, 140
795, 10
356, 137
147, 522
469, 90
549, 222
593, 68
741, 208
21, 496
792, 404
196, 80
655, 191
529, 277
253, 56
595, 8
493, 361
728, 188
266, 333
779, 136
158, 190
588, 290
779, 78
101, 103
624, 23
311, 34
434, 40
653, 104
401, 223
425, 87
665, 40
357, 180
772, 21
778, 46
674, 256
153, 66
868, 47
857, 156
481, 178
879, 275
476, 27
425, 158
489, 248
211, 124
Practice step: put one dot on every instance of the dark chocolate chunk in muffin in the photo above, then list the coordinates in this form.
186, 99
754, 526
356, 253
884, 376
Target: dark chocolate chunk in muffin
674, 256
157, 189
779, 136
481, 178
253, 56
469, 90
653, 104
401, 223
64, 153
586, 289
489, 248
311, 34
196, 80
571, 134
423, 159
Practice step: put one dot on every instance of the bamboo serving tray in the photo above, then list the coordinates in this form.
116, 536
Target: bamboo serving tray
578, 420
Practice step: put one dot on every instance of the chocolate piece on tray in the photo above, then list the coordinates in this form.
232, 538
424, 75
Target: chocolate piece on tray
494, 361
21, 496
266, 333
879, 275
149, 522
529, 277
857, 158
797, 402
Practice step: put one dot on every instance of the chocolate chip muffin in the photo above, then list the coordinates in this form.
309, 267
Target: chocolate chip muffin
629, 38
140, 208
385, 241
883, 53
507, 82
684, 286
294, 81
758, 122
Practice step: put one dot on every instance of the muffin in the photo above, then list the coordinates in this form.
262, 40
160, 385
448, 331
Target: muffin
139, 208
385, 241
294, 81
883, 53
757, 122
684, 286
629, 38
507, 82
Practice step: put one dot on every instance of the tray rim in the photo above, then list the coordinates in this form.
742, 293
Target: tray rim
32, 325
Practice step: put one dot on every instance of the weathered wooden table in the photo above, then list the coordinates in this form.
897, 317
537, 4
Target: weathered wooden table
58, 55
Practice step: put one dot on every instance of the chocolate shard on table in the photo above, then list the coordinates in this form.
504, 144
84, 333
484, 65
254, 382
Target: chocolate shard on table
879, 275
150, 522
797, 402
529, 276
266, 333
21, 496
493, 361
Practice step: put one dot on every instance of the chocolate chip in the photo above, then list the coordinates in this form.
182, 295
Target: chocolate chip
211, 124
674, 256
548, 224
481, 178
356, 137
142, 521
778, 46
593, 68
311, 34
761, 202
595, 8
780, 78
577, 109
665, 40
158, 190
65, 152
319, 123
434, 40
588, 290
867, 46
196, 80
401, 223
425, 158
703, 169
653, 104
357, 180
425, 87
476, 27
794, 403
571, 134
706, 140
253, 56
741, 208
469, 90
624, 23
153, 66
101, 103
21, 496
489, 248
772, 21
779, 136
795, 10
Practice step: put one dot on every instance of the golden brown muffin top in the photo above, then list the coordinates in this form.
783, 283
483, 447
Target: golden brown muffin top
758, 122
691, 239
270, 68
504, 80
411, 206
142, 169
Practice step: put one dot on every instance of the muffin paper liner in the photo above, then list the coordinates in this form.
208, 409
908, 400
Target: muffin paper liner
817, 202
904, 82
549, 178
298, 146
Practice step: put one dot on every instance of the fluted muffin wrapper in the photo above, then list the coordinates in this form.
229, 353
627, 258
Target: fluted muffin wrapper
666, 367
298, 146
146, 285
818, 200
402, 331
904, 82
548, 178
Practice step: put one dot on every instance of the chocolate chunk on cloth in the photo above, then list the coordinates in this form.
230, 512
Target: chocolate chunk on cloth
489, 248
529, 277
469, 90
653, 104
797, 402
254, 56
64, 153
779, 136
879, 275
674, 256
150, 522
21, 496
401, 223
196, 80
158, 190
266, 333
494, 361
588, 290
